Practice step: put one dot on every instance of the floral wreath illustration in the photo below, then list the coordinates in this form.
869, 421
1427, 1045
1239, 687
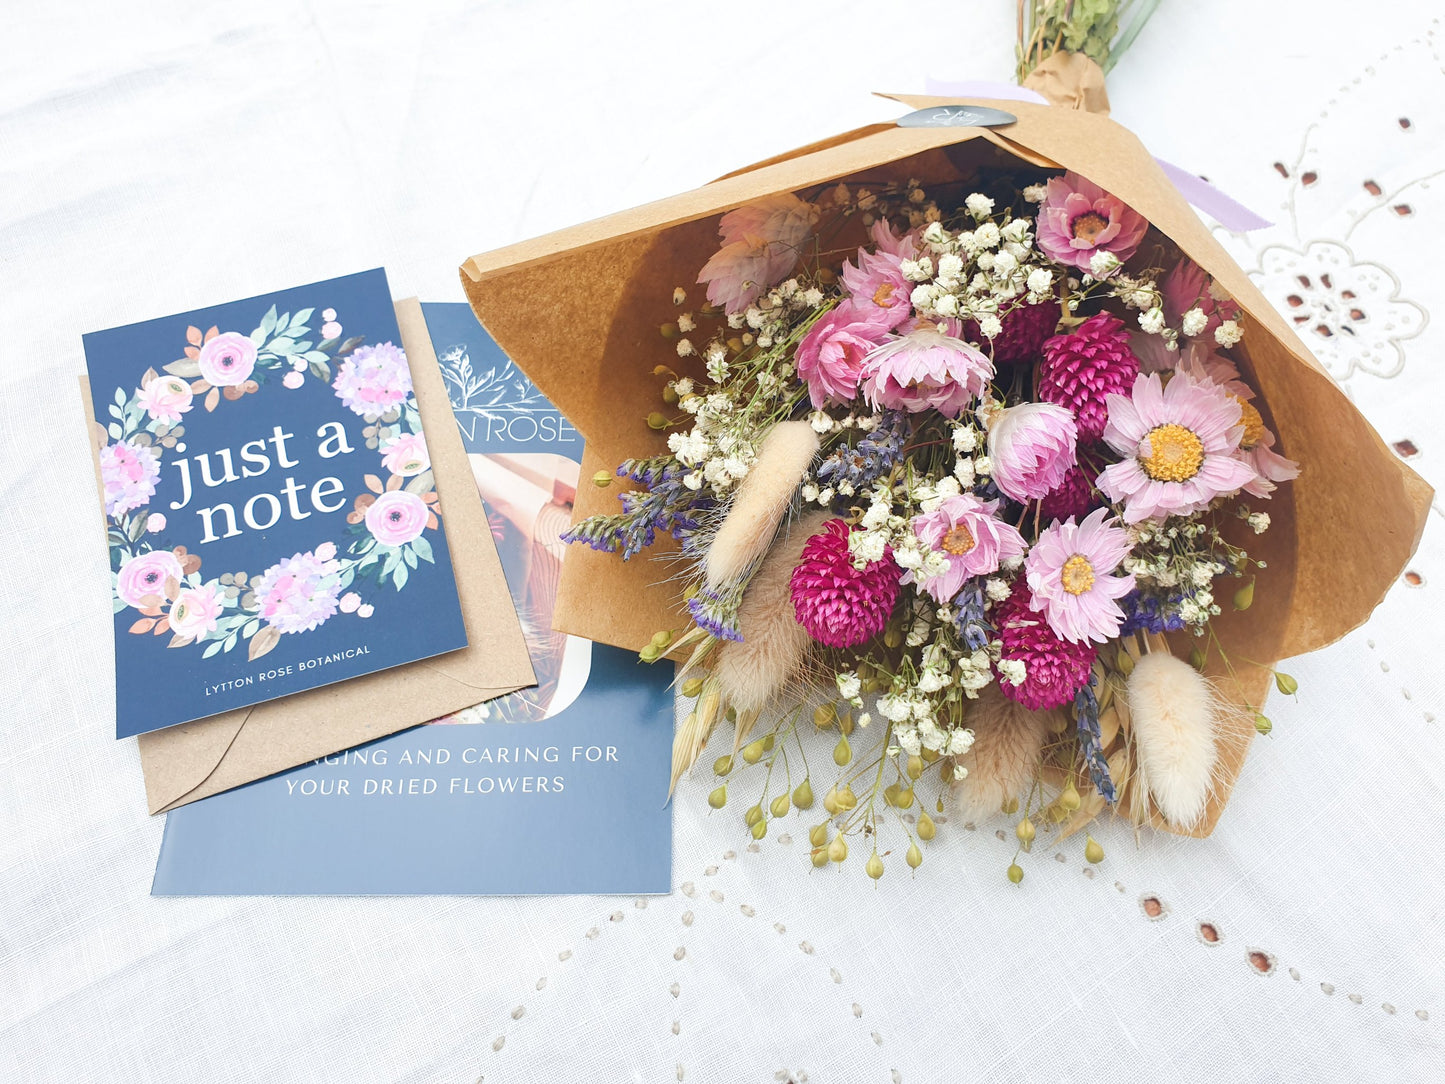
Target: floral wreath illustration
386, 526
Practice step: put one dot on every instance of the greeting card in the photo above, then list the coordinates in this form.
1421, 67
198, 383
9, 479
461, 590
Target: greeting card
271, 513
488, 800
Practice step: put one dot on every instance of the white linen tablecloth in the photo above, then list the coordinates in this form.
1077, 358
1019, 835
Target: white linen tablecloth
164, 156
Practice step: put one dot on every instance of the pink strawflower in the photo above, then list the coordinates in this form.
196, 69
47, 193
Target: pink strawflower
1187, 287
1256, 449
761, 245
1083, 368
840, 605
877, 279
1078, 218
1197, 357
925, 370
1032, 446
1179, 443
1074, 496
1024, 331
830, 356
1054, 668
977, 543
1069, 571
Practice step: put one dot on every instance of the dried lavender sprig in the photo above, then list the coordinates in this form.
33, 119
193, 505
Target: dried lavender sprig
973, 623
1086, 716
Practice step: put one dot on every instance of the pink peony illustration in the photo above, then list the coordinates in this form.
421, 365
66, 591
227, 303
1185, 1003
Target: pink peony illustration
299, 593
1078, 218
196, 610
128, 471
1032, 447
373, 380
228, 359
840, 605
405, 455
1069, 572
925, 370
396, 517
977, 543
166, 398
830, 356
146, 574
1179, 442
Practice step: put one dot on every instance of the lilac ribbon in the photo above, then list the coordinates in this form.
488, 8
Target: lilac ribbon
1228, 212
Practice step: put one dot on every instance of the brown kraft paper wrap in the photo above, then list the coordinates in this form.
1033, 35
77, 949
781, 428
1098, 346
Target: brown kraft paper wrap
195, 760
579, 311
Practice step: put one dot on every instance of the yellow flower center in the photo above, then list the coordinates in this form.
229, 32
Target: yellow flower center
1252, 422
1077, 574
1089, 225
1175, 454
883, 296
959, 541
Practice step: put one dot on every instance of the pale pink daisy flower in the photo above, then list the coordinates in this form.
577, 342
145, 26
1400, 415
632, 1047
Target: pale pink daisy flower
1256, 449
1032, 446
1078, 218
761, 245
925, 370
1069, 572
1179, 443
878, 277
976, 543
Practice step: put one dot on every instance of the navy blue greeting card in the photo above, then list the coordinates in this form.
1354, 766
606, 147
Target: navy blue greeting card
271, 514
558, 788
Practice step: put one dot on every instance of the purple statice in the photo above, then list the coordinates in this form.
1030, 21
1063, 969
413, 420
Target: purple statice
664, 504
1086, 716
1152, 610
853, 468
968, 614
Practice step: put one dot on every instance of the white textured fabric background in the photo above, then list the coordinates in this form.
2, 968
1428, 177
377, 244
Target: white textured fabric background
163, 156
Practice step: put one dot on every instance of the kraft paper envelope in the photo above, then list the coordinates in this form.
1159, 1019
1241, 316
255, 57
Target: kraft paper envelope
195, 760
578, 311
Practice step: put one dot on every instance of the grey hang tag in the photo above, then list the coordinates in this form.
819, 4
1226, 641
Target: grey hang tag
956, 116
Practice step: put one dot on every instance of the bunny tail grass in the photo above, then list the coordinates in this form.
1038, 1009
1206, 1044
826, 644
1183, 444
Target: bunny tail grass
1174, 714
762, 499
1007, 742
751, 671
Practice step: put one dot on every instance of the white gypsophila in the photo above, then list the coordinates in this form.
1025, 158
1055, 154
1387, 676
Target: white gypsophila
1103, 263
1192, 612
864, 720
1015, 231
921, 297
947, 305
907, 739
979, 205
812, 297
965, 438
755, 317
736, 320
848, 685
983, 465
930, 681
1004, 263
820, 422
907, 558
1142, 298
1034, 193
683, 386
1012, 564
876, 516
991, 327
960, 773
736, 468
985, 260
893, 707
959, 742
1012, 670
866, 547
1228, 333
809, 492
685, 348
765, 341
947, 487
935, 234
996, 589
934, 564
987, 235
918, 270
685, 322
717, 368
963, 471
1194, 321
1152, 321
1259, 522
845, 488
825, 495
692, 480
679, 295
950, 266
1201, 575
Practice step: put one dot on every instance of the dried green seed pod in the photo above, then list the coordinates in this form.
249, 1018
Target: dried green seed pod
824, 715
657, 420
1025, 831
1285, 684
1244, 597
1015, 873
1069, 798
768, 742
926, 828
915, 767
692, 687
1262, 724
669, 394
722, 765
820, 857
803, 795
846, 798
904, 798
914, 857
661, 639
602, 479
818, 835
890, 794
753, 751
1197, 660
649, 654
1093, 851
1010, 806
838, 849
830, 802
668, 331
754, 814
842, 752
760, 829
1124, 662
779, 806
874, 866
718, 798
845, 723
